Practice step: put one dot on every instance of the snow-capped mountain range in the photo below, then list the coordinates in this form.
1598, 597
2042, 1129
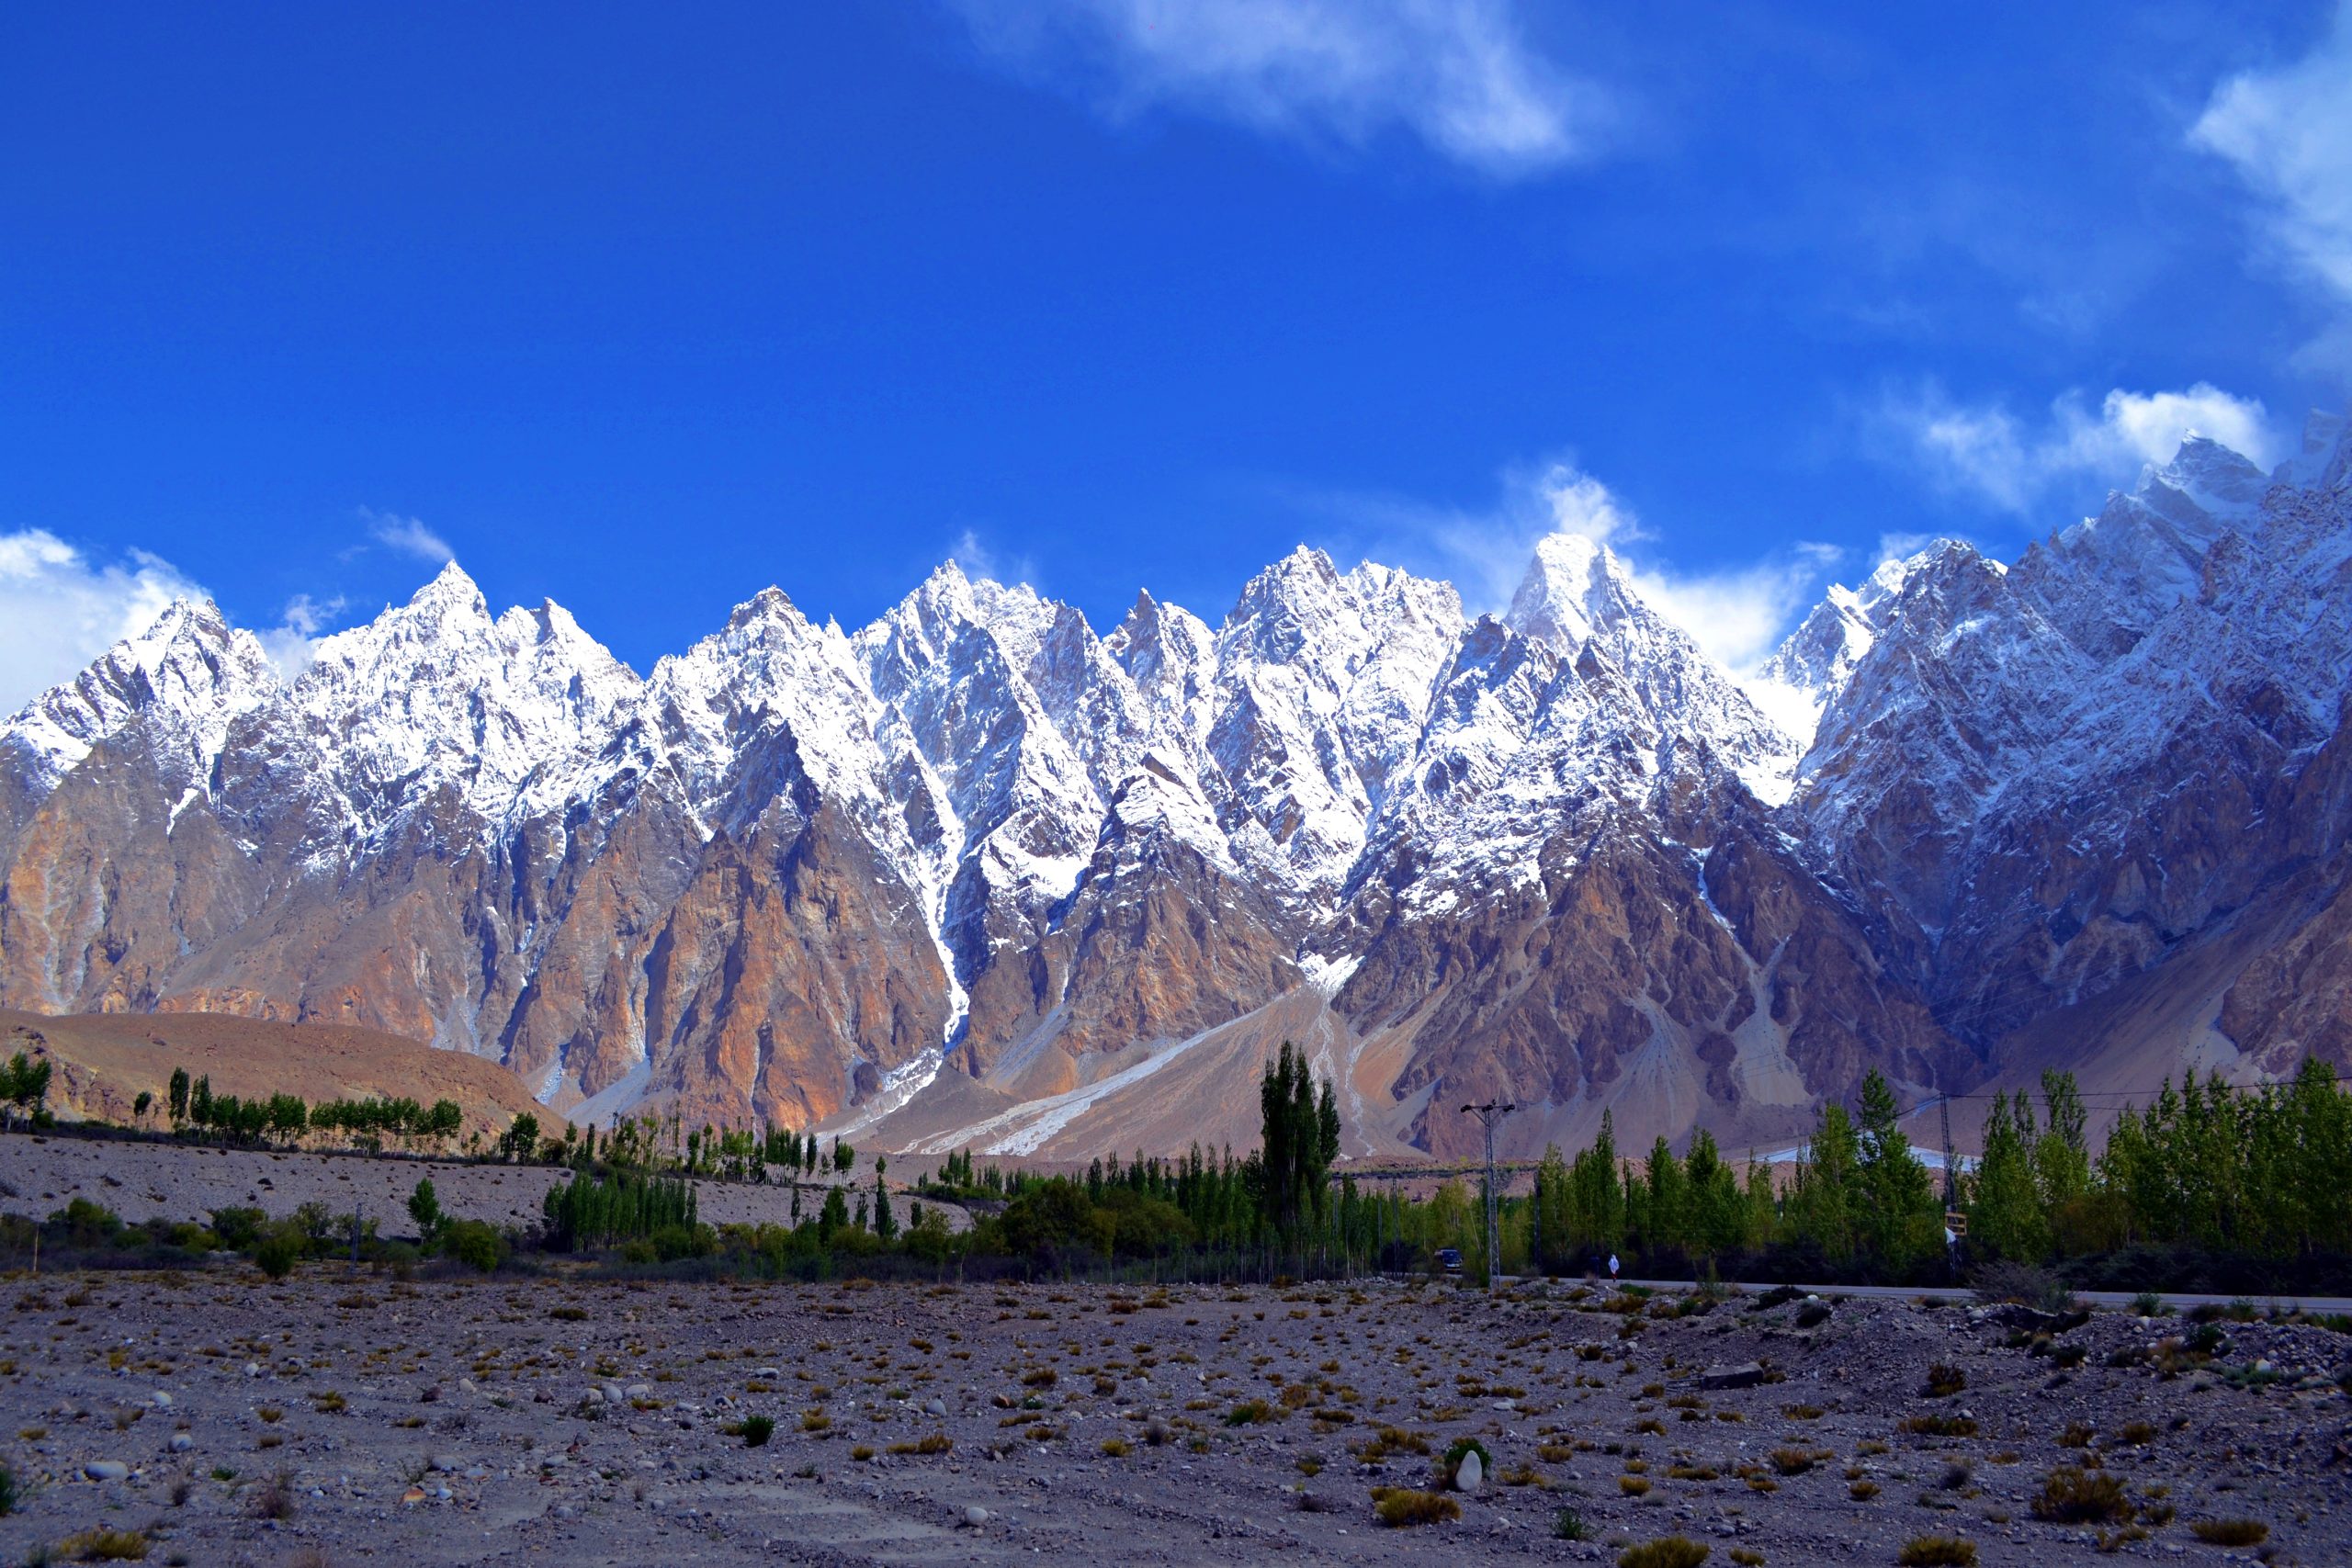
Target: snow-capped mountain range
975, 874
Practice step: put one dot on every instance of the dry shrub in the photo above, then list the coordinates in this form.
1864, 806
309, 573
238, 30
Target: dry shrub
2073, 1496
274, 1499
1937, 1552
1399, 1507
2230, 1532
1668, 1551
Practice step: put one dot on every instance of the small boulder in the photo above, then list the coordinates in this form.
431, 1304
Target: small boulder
181, 1442
1747, 1374
1471, 1473
640, 1391
975, 1515
935, 1407
107, 1470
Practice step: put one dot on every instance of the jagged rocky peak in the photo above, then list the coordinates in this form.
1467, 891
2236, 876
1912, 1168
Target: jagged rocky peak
2323, 459
435, 692
2105, 579
1170, 654
1805, 673
768, 666
1579, 598
1574, 586
187, 667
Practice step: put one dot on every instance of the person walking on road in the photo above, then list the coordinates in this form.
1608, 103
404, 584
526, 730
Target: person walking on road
1612, 1267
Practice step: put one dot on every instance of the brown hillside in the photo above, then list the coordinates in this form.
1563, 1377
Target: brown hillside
103, 1060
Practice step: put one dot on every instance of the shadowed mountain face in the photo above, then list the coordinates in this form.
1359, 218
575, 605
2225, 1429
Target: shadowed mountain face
976, 872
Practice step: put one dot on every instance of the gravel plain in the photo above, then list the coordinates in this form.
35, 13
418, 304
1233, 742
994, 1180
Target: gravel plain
352, 1417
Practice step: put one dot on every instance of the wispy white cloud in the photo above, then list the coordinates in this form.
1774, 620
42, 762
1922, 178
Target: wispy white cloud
979, 561
1984, 450
1738, 613
1741, 613
1459, 75
59, 610
409, 535
293, 643
2289, 133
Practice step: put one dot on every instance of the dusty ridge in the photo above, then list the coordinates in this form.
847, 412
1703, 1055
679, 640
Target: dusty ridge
104, 1060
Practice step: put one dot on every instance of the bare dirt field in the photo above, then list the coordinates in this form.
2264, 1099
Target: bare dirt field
41, 1174
348, 1416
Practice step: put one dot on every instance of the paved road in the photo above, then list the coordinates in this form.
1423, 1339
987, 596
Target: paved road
2173, 1299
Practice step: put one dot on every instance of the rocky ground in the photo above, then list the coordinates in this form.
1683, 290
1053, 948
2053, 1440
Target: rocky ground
41, 1174
348, 1416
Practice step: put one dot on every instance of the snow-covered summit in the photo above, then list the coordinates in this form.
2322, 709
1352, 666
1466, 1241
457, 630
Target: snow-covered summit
1813, 664
188, 674
437, 692
1579, 599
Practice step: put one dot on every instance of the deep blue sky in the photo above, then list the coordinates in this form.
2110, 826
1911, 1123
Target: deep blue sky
643, 309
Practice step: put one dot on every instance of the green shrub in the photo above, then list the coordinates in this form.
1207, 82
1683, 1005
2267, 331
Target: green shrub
238, 1228
473, 1243
277, 1252
757, 1430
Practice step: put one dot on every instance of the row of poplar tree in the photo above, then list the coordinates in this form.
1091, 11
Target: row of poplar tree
2255, 1172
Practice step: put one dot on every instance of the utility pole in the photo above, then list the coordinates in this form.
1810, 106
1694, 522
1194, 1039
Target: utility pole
1535, 1229
1951, 1166
1488, 1115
